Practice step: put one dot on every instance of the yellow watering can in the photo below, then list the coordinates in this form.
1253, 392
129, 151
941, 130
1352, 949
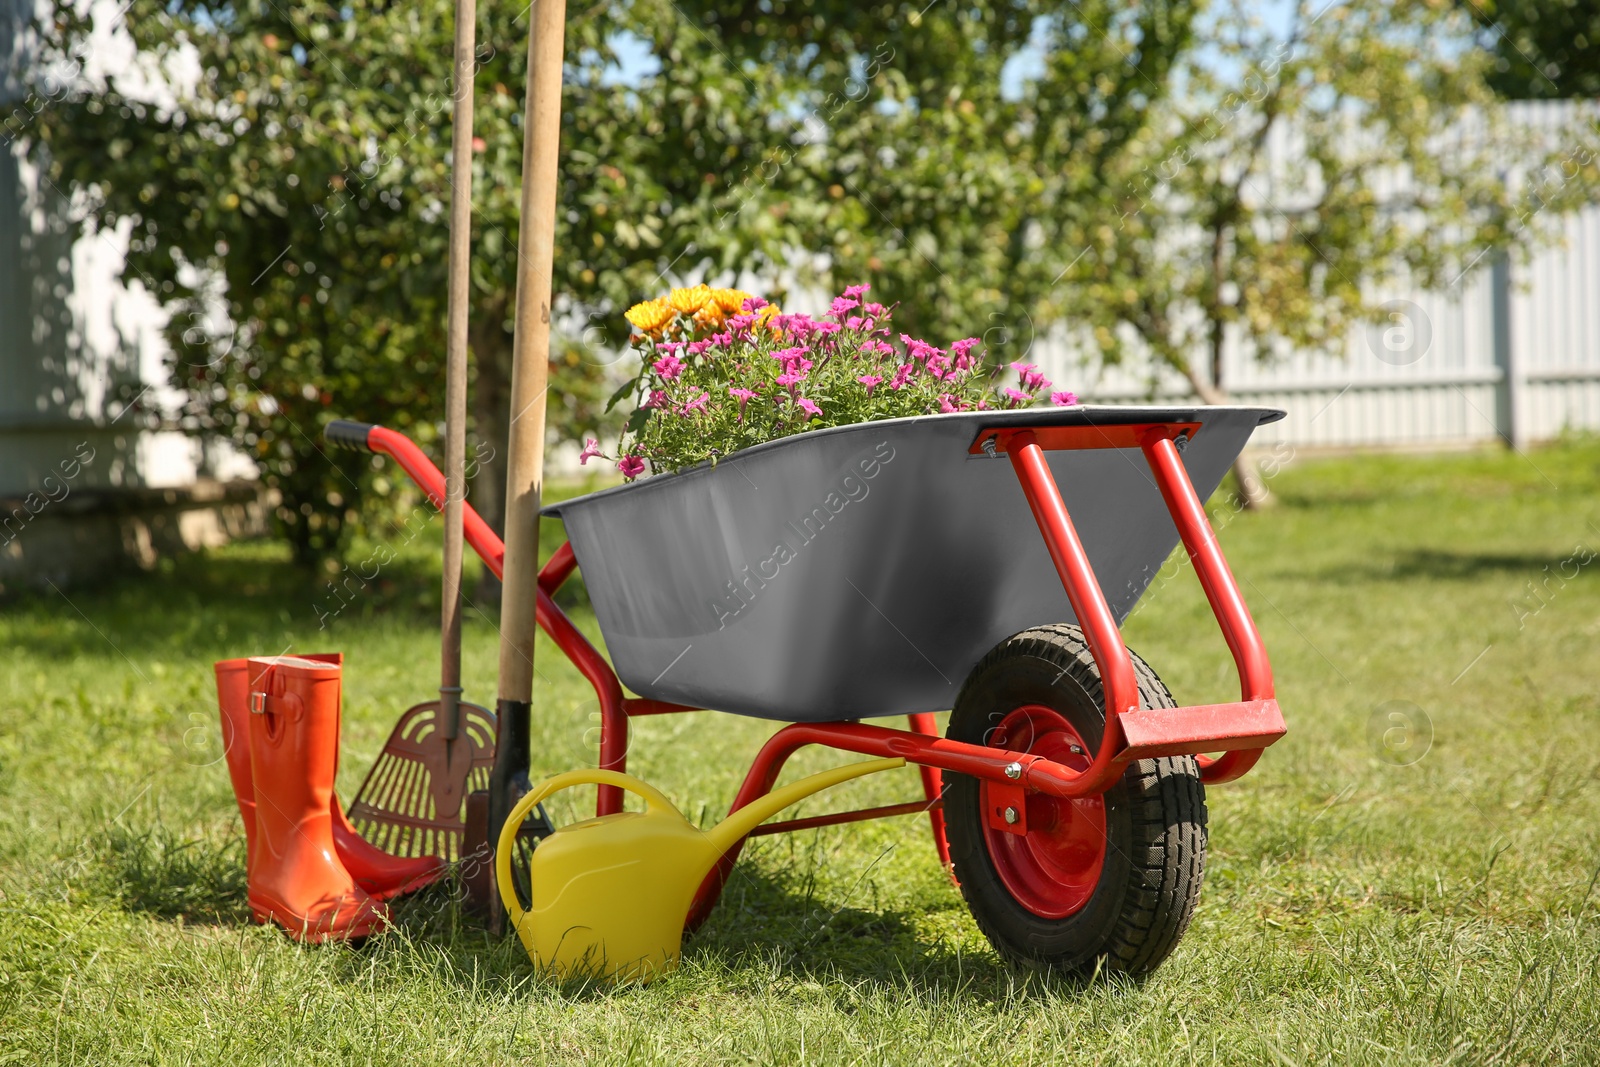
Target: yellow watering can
610, 894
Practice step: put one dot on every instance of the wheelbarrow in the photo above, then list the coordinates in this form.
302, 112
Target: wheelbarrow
898, 568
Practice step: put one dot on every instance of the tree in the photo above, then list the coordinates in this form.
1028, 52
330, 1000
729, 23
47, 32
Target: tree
288, 206
1297, 177
287, 203
1543, 49
915, 166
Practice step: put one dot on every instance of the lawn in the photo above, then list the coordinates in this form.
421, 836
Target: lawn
1410, 876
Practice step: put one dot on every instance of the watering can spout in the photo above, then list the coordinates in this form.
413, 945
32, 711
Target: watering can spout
730, 831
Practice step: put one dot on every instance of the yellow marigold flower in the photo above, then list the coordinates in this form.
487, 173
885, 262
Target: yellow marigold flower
688, 301
731, 301
650, 316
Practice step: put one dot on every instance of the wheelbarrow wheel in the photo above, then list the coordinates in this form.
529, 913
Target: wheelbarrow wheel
1102, 882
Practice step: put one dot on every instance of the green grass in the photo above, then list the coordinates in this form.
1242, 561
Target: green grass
1355, 909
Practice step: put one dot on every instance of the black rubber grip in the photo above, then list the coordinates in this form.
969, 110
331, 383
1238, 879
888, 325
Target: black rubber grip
342, 433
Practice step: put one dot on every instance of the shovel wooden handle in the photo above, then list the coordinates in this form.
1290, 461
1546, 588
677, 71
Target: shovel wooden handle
529, 374
531, 349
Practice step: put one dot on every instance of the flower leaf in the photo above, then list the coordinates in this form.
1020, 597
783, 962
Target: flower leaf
627, 387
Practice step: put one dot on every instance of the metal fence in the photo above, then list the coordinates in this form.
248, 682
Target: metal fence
1512, 353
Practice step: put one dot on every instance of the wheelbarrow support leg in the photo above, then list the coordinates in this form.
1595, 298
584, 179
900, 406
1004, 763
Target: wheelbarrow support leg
933, 788
1088, 602
1222, 592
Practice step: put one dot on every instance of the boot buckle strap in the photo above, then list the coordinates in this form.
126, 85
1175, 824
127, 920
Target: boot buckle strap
286, 705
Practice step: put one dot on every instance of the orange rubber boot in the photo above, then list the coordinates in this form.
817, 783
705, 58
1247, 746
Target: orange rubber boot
383, 876
296, 878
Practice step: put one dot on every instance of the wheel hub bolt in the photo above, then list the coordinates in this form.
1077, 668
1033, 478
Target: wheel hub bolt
1011, 816
1077, 750
1013, 771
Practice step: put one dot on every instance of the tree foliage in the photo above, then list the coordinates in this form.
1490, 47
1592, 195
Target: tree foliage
1543, 49
1298, 177
916, 166
289, 207
288, 200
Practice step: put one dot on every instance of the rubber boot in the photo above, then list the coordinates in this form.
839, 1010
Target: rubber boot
382, 875
296, 878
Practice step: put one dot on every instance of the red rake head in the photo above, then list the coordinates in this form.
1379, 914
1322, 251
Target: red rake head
410, 804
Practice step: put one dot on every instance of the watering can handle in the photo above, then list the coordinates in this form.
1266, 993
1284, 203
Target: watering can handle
653, 798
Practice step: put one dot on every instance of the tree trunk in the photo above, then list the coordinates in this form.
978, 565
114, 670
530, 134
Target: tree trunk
1253, 492
491, 399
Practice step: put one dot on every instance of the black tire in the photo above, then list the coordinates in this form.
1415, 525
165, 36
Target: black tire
1155, 818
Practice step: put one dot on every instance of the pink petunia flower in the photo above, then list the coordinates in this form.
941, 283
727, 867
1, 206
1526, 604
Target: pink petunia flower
807, 406
854, 322
919, 349
669, 367
630, 466
902, 375
947, 404
1032, 377
938, 366
696, 404
697, 347
784, 355
1016, 396
656, 399
842, 307
743, 396
855, 292
798, 326
740, 323
789, 379
870, 381
669, 348
962, 351
1064, 399
591, 449
752, 304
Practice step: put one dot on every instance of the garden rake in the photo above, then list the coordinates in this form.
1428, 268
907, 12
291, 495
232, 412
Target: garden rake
411, 802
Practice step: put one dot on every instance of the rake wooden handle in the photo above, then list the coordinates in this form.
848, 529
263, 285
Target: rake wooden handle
455, 392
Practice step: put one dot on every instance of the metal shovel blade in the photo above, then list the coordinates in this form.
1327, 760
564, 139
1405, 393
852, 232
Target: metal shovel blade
410, 804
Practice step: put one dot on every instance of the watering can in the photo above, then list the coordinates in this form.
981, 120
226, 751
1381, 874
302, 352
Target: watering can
610, 895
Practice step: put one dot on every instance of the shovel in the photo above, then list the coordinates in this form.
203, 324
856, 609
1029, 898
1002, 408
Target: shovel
525, 460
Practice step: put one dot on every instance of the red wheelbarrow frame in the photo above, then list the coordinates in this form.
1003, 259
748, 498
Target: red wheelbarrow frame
1239, 730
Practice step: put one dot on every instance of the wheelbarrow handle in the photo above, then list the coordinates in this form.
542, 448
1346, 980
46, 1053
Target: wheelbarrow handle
367, 437
342, 433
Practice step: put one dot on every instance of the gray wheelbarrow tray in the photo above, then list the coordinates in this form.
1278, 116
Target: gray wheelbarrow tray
864, 570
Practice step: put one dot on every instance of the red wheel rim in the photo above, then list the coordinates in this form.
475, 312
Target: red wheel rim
1053, 869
